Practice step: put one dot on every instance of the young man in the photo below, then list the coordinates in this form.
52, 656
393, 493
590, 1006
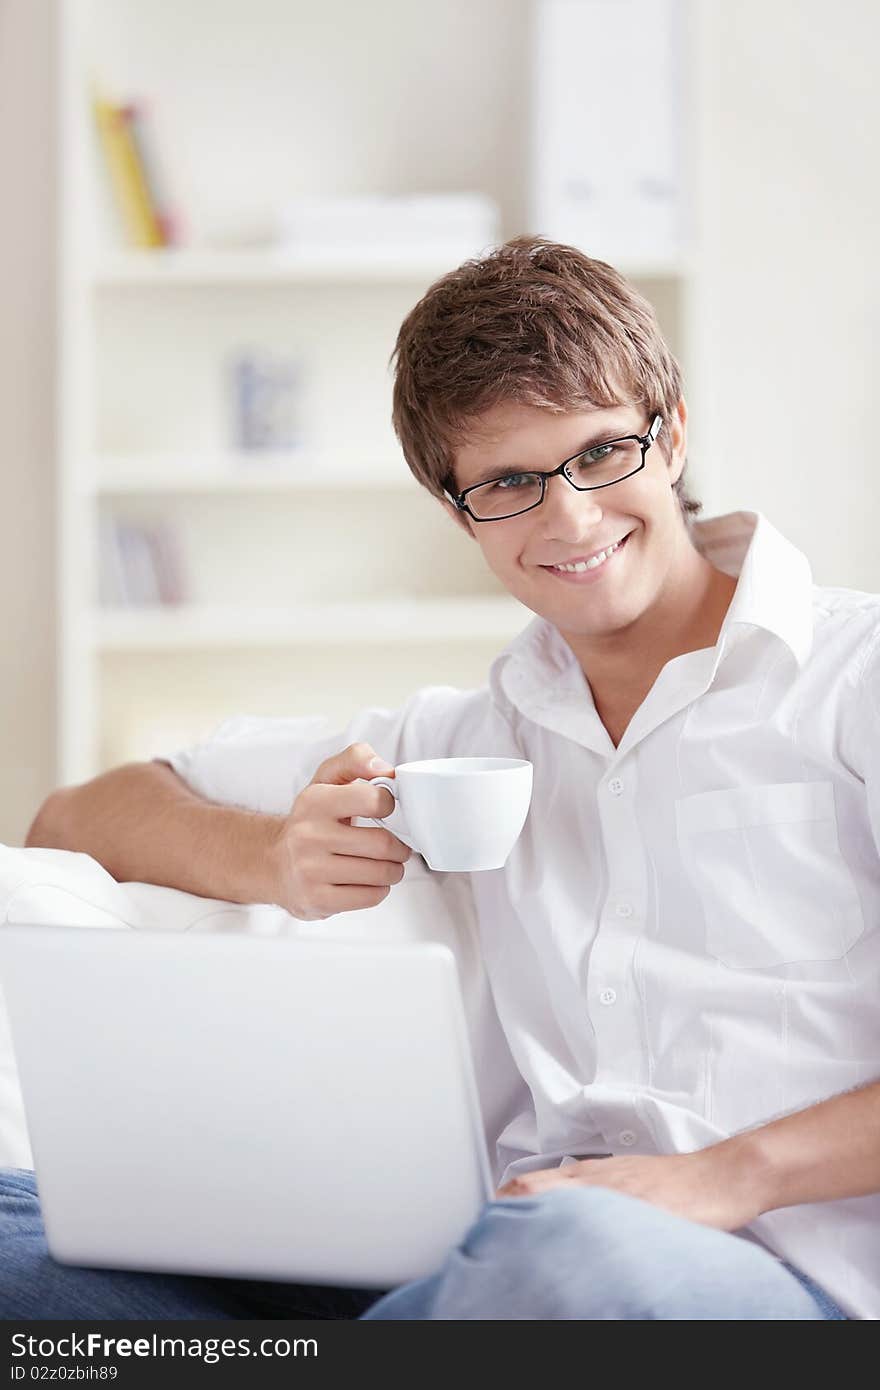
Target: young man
683, 947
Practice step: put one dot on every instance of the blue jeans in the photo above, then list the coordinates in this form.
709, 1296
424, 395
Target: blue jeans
574, 1252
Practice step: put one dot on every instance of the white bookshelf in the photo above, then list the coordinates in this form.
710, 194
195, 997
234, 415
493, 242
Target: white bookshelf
144, 269
216, 268
295, 557
381, 622
246, 474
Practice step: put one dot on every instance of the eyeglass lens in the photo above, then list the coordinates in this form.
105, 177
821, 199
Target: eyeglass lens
597, 467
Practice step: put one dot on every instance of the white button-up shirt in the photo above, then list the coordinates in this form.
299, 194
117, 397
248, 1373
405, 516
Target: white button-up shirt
684, 942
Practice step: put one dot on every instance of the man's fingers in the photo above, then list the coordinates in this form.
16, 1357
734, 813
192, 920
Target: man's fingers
353, 762
351, 899
359, 798
367, 843
528, 1184
342, 870
325, 864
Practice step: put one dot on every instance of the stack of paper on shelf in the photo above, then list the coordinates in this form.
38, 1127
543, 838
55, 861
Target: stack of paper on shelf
459, 224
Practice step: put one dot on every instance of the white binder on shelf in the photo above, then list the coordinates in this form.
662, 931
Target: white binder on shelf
607, 166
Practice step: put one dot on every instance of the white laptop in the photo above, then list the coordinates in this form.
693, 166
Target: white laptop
259, 1107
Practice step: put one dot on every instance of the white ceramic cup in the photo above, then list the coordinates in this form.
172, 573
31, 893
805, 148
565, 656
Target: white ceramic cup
461, 814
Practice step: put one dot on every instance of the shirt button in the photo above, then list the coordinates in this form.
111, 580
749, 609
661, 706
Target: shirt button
627, 1137
615, 786
607, 996
624, 909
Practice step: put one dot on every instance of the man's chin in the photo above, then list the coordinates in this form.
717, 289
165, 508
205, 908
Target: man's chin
596, 621
598, 628
580, 635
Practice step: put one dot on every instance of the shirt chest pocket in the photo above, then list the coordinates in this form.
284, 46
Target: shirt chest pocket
767, 866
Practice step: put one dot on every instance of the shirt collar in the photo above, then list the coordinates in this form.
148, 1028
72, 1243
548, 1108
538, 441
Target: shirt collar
538, 671
774, 590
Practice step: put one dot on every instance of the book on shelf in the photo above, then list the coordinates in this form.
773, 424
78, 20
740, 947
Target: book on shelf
140, 565
137, 183
142, 130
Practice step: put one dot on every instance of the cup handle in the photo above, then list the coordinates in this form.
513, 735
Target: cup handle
388, 822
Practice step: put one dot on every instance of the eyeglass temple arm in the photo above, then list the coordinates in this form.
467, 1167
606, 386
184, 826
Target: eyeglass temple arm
456, 500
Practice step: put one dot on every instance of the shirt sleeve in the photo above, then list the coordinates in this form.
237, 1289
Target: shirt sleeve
262, 764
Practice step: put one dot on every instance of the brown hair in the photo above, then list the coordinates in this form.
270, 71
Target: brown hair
534, 322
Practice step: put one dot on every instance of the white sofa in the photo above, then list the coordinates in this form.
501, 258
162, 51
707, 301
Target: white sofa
41, 886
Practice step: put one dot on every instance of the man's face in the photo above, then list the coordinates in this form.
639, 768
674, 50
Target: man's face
640, 515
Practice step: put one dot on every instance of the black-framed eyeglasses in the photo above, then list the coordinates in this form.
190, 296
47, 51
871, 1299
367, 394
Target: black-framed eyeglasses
601, 465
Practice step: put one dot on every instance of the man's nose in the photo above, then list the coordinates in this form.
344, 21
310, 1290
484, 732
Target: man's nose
568, 508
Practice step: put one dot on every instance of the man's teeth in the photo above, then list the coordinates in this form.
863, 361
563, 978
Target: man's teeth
590, 564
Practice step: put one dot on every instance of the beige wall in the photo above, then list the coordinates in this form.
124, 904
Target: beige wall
791, 215
27, 274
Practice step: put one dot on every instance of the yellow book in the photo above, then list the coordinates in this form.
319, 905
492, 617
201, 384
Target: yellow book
127, 177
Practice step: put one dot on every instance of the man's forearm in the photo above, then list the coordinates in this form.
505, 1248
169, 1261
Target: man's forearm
830, 1150
143, 824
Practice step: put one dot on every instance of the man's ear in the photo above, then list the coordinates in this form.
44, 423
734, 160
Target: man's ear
676, 426
459, 517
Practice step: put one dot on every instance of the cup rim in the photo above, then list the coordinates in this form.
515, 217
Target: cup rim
429, 766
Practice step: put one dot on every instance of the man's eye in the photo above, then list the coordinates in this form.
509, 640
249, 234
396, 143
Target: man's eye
513, 481
597, 455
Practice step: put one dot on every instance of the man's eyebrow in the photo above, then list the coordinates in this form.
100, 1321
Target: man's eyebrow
597, 436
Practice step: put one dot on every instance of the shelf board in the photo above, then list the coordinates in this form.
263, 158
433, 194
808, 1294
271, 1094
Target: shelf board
114, 475
187, 267
320, 624
272, 267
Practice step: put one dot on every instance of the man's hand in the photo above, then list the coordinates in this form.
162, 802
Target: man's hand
717, 1186
324, 864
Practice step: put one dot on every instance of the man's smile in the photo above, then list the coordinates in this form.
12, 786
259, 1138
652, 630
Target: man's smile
584, 568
